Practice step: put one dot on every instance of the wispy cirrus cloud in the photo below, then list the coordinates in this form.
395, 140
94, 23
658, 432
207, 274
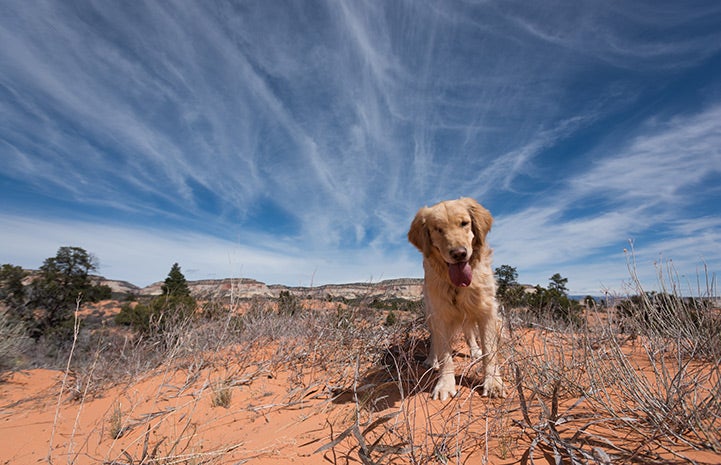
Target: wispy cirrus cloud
145, 255
662, 164
642, 190
673, 34
322, 127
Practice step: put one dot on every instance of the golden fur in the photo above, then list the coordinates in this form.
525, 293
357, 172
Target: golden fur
452, 234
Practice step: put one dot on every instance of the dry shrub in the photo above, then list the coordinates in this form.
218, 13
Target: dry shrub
583, 394
580, 394
670, 393
13, 342
392, 419
598, 395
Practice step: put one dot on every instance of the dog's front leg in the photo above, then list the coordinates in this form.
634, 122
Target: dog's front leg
490, 337
472, 334
441, 352
446, 385
432, 360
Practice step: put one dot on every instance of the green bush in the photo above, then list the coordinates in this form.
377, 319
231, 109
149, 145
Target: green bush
288, 304
667, 314
551, 304
391, 319
157, 315
137, 316
545, 305
174, 305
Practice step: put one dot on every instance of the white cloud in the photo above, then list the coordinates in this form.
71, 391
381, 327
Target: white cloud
143, 256
658, 164
348, 117
675, 35
643, 191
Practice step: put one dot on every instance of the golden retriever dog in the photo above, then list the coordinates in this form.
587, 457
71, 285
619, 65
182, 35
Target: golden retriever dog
459, 289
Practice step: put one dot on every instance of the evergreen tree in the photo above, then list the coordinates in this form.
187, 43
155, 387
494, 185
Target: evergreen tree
175, 283
506, 277
174, 305
509, 292
12, 290
14, 319
558, 284
62, 281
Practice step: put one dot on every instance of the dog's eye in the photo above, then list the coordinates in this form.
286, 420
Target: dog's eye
465, 223
439, 230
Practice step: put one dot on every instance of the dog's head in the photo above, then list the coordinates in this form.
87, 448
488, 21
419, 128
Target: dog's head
453, 232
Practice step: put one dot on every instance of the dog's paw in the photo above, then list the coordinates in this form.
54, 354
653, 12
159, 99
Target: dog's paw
445, 388
493, 387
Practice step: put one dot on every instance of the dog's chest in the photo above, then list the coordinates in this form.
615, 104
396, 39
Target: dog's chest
454, 299
465, 300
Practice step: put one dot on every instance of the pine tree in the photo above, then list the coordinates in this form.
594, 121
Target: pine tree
62, 281
175, 305
175, 283
506, 277
558, 283
509, 292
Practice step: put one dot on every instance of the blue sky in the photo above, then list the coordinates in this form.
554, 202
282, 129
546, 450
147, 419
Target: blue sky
293, 141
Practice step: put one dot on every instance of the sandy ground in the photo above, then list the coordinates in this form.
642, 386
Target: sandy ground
234, 411
164, 415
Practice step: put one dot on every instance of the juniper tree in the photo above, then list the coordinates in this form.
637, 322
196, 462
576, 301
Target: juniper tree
12, 290
509, 292
62, 281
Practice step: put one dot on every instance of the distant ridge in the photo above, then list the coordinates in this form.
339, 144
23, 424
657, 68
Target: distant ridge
246, 288
243, 288
401, 288
121, 287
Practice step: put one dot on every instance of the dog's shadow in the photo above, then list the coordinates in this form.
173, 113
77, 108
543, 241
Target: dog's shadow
400, 374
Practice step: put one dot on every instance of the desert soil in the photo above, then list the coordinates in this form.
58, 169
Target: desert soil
247, 405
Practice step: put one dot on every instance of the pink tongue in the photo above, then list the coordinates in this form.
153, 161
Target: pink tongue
460, 274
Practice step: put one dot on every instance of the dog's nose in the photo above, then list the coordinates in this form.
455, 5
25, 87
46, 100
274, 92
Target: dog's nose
459, 254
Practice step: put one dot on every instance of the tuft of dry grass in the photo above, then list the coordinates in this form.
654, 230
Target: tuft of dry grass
222, 393
116, 426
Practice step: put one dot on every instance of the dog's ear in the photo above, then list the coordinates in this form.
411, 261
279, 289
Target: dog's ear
418, 235
481, 221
